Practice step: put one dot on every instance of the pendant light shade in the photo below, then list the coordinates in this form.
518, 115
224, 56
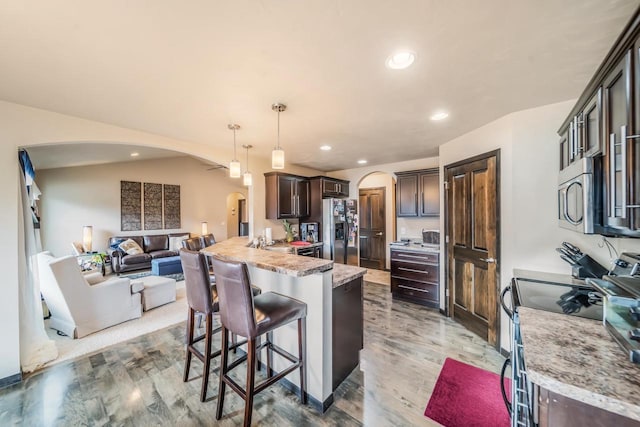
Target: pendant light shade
234, 169
277, 158
247, 179
234, 165
277, 155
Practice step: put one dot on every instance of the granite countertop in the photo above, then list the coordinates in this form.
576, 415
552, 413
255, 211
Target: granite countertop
577, 358
236, 249
417, 247
345, 273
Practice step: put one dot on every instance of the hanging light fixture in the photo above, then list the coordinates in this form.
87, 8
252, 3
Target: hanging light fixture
277, 155
247, 179
234, 166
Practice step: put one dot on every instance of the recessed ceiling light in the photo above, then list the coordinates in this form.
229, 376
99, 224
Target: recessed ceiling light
362, 162
135, 154
401, 60
325, 147
440, 115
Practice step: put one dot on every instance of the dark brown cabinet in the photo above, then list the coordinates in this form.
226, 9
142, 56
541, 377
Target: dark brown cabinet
418, 193
415, 276
287, 196
348, 326
332, 187
557, 410
583, 135
604, 126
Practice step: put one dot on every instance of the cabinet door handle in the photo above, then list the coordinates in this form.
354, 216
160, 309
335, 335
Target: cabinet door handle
625, 187
612, 175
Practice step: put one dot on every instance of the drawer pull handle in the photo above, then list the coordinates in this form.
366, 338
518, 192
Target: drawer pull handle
426, 273
413, 289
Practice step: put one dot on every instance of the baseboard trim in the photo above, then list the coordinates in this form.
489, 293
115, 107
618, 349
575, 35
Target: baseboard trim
10, 380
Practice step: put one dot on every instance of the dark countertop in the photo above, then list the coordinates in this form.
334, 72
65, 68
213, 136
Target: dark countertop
540, 276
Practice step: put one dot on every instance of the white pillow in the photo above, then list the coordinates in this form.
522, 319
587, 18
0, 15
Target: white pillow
175, 242
130, 247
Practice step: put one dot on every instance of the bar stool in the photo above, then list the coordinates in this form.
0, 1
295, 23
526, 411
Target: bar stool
202, 297
251, 316
207, 240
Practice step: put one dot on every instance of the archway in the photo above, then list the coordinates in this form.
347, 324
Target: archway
237, 215
377, 219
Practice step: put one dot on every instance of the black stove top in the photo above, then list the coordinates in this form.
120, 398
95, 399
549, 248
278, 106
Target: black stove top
557, 294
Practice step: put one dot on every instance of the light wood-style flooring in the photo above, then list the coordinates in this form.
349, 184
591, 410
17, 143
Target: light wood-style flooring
139, 382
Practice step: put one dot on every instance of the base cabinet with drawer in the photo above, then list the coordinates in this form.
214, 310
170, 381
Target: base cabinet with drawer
415, 276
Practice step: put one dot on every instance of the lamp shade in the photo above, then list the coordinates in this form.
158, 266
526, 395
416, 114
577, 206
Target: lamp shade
234, 169
205, 228
277, 158
247, 179
87, 238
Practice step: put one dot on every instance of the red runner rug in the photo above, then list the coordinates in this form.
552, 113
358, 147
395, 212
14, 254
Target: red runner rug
467, 396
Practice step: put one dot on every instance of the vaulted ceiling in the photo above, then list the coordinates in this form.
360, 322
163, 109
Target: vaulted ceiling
187, 69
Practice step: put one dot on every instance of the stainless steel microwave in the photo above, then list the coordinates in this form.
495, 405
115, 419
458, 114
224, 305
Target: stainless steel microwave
576, 209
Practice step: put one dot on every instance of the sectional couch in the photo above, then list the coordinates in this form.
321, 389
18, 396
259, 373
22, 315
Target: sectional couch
154, 246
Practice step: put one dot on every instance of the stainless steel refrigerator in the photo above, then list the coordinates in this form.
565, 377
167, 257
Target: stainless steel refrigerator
340, 230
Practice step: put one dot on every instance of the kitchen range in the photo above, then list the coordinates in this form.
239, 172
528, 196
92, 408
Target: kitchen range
566, 369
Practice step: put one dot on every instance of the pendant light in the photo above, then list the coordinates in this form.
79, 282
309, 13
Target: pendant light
277, 155
247, 179
234, 166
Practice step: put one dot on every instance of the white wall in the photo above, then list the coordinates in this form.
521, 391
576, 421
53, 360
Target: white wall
529, 161
22, 126
90, 195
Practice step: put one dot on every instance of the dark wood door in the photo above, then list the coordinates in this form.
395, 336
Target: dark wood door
372, 228
407, 195
472, 248
430, 194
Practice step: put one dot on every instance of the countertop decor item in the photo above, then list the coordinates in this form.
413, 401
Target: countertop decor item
288, 230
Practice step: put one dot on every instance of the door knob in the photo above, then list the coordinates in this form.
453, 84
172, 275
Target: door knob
488, 260
379, 234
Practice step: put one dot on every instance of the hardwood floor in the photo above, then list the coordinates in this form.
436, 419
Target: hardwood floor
139, 382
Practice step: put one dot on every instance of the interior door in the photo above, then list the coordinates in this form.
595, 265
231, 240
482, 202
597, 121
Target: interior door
472, 249
372, 228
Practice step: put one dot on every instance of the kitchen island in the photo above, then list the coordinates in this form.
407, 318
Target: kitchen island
313, 281
584, 377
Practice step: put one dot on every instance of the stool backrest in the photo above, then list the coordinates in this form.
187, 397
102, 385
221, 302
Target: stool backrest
197, 282
208, 240
192, 244
235, 297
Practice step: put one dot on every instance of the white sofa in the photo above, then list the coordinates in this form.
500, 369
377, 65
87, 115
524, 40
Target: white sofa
79, 308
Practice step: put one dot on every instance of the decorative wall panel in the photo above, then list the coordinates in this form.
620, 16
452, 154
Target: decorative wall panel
130, 206
171, 206
152, 206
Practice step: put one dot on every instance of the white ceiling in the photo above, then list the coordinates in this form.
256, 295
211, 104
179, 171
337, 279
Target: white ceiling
187, 69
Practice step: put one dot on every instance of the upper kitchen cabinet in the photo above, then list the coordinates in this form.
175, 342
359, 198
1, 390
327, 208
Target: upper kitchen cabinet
418, 193
604, 126
617, 108
331, 187
582, 136
286, 195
